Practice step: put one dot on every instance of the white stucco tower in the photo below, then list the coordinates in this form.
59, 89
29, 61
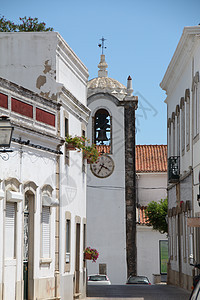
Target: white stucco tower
111, 181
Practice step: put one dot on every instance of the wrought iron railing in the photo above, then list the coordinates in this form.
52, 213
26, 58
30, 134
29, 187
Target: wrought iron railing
173, 169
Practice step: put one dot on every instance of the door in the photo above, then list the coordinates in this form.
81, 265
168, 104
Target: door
77, 259
28, 247
26, 238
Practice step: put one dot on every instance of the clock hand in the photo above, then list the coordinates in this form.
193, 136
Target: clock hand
100, 169
105, 168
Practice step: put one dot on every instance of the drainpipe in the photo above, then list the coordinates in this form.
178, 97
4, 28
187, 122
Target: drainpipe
57, 218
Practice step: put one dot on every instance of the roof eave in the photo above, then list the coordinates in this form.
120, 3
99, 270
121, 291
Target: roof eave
178, 59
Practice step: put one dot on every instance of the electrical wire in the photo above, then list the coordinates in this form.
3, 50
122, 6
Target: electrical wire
123, 188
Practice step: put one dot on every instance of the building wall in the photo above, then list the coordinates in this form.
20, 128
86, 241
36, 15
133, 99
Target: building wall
150, 187
181, 83
148, 255
20, 174
49, 67
45, 58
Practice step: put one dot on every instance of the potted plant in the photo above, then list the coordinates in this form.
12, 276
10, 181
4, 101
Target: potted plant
91, 254
91, 154
74, 143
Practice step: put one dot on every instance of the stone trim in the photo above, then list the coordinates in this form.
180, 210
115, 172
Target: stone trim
130, 186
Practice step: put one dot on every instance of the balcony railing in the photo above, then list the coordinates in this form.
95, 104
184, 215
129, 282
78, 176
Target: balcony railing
173, 169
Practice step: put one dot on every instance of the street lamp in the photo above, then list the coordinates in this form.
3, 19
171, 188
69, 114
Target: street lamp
6, 130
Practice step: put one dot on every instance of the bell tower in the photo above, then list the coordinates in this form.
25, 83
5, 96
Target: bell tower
111, 192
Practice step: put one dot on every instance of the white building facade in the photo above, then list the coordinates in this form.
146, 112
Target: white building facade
108, 203
151, 170
42, 190
181, 83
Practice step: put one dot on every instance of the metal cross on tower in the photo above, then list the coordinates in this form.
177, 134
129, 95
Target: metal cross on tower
102, 44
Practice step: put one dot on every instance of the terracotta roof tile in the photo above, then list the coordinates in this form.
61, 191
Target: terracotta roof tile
151, 158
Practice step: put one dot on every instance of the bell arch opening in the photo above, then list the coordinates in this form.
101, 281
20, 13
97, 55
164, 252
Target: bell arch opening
102, 130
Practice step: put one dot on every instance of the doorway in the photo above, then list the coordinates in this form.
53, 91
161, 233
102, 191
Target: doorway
28, 245
77, 259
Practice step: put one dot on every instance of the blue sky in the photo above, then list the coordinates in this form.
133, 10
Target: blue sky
141, 37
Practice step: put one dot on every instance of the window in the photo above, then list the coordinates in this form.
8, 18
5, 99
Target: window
182, 124
67, 241
195, 105
47, 202
173, 138
169, 137
102, 130
45, 232
178, 134
187, 121
195, 112
10, 230
170, 222
184, 218
175, 236
67, 260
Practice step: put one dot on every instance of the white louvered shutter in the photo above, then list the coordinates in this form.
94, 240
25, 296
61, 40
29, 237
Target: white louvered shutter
45, 231
10, 230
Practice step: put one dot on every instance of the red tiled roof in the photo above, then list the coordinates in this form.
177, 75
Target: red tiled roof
151, 158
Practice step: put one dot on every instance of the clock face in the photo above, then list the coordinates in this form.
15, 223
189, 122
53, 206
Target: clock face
103, 167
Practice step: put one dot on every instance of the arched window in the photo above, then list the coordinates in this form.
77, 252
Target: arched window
177, 121
195, 101
102, 129
187, 99
182, 106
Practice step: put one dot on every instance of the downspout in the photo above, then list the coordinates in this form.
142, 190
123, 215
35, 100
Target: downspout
57, 218
191, 137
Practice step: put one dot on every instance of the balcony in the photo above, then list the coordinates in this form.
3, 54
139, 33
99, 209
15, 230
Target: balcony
173, 169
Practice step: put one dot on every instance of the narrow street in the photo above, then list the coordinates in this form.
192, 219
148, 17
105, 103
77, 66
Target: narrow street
153, 292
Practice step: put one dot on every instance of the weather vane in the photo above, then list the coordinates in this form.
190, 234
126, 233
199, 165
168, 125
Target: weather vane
102, 44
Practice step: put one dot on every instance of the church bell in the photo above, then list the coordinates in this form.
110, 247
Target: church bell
102, 136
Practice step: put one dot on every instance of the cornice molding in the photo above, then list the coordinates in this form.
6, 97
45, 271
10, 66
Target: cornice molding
180, 58
74, 106
71, 60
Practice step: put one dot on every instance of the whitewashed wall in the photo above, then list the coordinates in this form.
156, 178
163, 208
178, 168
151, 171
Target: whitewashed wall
44, 62
148, 256
49, 67
106, 215
184, 64
150, 187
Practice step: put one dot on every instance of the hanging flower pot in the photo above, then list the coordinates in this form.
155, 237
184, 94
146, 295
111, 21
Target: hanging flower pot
91, 154
91, 254
74, 143
70, 147
88, 256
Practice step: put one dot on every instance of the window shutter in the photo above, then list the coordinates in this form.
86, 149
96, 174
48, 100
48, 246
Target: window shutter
10, 230
45, 231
